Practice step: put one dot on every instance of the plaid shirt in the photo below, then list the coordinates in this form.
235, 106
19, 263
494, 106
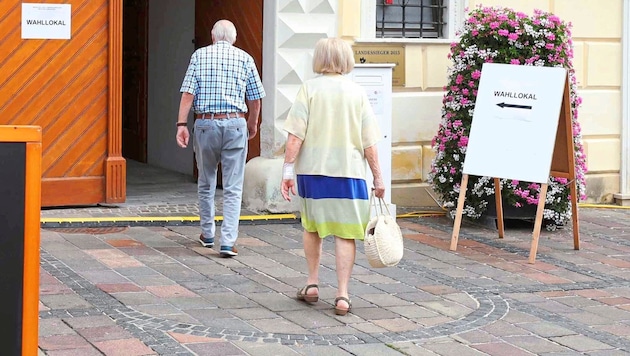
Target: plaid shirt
221, 77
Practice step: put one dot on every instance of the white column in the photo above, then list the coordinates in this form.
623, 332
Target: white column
624, 174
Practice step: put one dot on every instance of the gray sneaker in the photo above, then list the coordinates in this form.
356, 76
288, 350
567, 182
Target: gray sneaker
206, 242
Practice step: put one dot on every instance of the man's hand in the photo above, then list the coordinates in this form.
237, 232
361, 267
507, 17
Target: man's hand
252, 129
182, 136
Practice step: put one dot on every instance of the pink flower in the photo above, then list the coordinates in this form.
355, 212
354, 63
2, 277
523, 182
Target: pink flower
515, 61
494, 25
459, 79
532, 200
513, 36
476, 74
549, 46
503, 33
562, 180
555, 19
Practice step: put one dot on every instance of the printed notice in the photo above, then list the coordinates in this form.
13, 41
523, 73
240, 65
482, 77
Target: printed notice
46, 21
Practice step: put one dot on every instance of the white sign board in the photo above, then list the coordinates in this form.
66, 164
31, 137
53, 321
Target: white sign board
46, 21
513, 130
376, 79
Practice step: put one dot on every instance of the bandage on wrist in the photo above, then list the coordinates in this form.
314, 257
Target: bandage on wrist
287, 171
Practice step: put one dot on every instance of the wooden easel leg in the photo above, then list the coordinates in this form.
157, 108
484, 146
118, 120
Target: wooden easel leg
538, 223
499, 204
458, 213
574, 215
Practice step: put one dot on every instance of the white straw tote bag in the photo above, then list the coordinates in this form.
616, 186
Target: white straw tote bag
383, 240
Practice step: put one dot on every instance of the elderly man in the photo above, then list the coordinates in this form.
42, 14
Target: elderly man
220, 84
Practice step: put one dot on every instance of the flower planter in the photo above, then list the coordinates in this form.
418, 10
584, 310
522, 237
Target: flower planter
526, 212
513, 217
501, 35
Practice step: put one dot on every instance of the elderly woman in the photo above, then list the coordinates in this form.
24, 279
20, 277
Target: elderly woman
332, 133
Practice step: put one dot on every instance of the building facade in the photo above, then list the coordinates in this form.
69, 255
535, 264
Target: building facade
110, 92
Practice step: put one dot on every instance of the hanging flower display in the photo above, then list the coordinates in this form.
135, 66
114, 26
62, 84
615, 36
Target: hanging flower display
502, 35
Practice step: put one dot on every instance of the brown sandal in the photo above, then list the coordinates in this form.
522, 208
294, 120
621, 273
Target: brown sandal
342, 311
302, 294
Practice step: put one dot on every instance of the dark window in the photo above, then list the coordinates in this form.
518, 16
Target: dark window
410, 18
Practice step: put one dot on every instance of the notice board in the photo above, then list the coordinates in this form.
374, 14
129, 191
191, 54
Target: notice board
513, 130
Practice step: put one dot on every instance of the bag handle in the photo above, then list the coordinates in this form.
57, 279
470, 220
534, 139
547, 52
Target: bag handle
378, 209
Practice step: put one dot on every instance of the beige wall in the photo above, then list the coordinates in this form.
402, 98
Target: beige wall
416, 108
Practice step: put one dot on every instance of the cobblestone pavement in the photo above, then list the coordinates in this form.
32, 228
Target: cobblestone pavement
153, 290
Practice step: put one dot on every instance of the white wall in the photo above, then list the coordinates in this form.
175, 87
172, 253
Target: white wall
171, 31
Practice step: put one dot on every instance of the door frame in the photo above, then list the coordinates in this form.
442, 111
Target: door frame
115, 164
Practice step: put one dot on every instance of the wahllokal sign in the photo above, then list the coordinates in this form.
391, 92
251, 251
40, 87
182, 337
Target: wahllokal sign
511, 95
46, 21
513, 130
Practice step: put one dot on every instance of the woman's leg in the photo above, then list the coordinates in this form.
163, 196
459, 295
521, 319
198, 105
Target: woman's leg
313, 251
345, 251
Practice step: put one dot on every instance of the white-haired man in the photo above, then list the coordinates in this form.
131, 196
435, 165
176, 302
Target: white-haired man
220, 84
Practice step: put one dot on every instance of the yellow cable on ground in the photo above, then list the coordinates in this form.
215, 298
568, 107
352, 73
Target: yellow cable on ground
161, 218
602, 206
150, 219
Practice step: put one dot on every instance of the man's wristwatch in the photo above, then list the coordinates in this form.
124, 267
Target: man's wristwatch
182, 124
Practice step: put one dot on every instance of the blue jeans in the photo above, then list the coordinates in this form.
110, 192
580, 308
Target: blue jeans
225, 142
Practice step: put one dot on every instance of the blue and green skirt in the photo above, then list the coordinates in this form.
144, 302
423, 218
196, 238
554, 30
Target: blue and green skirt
334, 205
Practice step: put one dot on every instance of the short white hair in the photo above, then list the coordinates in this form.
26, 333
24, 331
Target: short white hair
333, 55
224, 30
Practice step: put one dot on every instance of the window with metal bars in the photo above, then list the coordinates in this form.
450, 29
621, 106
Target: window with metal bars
410, 18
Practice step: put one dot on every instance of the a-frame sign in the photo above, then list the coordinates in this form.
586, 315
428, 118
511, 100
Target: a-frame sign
522, 129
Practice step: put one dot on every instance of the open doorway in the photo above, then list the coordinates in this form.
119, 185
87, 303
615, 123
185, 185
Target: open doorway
134, 92
159, 37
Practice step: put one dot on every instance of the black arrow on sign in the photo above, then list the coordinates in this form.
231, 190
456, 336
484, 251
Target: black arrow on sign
504, 105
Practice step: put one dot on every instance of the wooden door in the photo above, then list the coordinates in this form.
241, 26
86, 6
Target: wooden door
247, 16
134, 93
64, 87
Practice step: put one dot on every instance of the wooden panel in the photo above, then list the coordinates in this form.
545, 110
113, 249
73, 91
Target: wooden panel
73, 191
62, 86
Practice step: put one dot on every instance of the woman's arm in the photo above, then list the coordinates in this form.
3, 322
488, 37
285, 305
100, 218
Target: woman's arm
291, 151
371, 154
